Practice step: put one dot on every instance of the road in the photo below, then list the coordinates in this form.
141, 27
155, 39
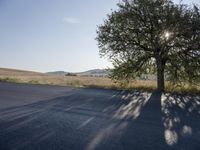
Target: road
40, 117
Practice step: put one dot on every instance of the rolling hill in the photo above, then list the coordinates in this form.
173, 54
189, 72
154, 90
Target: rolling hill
93, 72
57, 73
15, 72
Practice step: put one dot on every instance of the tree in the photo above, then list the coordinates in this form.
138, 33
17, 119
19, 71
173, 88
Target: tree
142, 34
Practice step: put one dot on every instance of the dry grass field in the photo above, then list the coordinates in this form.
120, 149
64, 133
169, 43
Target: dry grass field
20, 76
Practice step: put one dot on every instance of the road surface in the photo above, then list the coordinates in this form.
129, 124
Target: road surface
36, 117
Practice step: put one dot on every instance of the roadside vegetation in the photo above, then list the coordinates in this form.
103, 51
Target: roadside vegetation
99, 82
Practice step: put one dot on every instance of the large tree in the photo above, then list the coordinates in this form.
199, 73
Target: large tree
145, 34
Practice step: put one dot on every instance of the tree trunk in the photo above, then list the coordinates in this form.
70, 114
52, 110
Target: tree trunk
160, 75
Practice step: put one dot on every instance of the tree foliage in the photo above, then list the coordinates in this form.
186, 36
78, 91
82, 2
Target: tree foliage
145, 35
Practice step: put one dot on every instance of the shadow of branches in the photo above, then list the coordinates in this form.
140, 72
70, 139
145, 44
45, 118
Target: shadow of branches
94, 119
181, 119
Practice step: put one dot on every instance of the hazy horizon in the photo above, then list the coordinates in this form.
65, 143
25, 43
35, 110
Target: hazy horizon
48, 35
52, 70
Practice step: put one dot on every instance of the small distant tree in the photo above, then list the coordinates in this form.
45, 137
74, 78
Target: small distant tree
70, 74
145, 35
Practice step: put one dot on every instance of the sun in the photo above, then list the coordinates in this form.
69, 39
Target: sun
167, 35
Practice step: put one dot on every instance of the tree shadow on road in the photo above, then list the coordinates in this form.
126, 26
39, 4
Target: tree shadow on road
161, 121
181, 119
89, 119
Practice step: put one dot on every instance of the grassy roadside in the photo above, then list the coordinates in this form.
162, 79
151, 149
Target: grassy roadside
95, 82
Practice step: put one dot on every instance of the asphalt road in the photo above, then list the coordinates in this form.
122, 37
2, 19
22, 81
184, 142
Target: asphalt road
34, 117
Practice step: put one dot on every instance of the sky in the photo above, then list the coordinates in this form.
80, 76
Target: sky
51, 35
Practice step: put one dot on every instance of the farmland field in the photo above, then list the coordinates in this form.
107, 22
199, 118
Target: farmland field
19, 76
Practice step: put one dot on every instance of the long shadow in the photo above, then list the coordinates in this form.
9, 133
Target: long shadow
139, 126
89, 119
164, 121
181, 119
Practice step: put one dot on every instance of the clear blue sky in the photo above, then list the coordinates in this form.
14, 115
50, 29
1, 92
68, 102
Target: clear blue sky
48, 35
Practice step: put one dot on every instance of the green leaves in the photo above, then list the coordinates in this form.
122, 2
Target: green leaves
140, 33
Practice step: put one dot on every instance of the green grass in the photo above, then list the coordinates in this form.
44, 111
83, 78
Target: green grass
13, 80
186, 88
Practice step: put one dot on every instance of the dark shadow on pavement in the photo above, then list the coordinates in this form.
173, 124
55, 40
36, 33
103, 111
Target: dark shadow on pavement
93, 119
181, 119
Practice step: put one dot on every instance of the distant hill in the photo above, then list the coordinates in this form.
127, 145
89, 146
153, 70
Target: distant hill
5, 72
57, 73
93, 72
15, 72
